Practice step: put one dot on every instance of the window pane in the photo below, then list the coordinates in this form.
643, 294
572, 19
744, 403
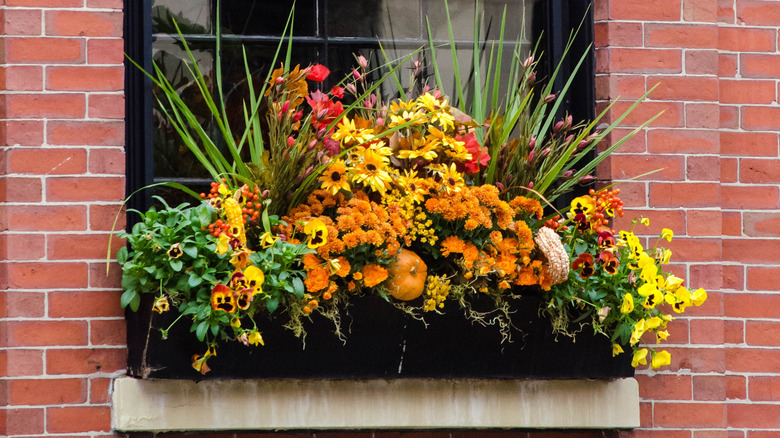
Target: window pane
462, 17
254, 17
192, 16
399, 19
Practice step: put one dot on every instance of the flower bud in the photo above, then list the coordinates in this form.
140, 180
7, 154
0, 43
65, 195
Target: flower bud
582, 144
362, 61
532, 143
290, 141
531, 78
286, 106
351, 88
531, 185
437, 93
586, 179
280, 80
558, 126
528, 62
297, 116
545, 152
569, 121
549, 98
569, 138
312, 144
568, 174
356, 74
500, 186
531, 155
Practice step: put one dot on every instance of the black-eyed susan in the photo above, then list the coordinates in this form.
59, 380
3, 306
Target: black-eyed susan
334, 178
372, 171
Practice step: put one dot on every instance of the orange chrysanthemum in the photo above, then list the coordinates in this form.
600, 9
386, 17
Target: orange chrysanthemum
374, 274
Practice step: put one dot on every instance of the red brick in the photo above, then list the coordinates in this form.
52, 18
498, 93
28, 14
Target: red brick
39, 333
701, 62
671, 114
26, 304
99, 279
729, 170
726, 11
47, 161
763, 278
727, 65
23, 78
102, 217
702, 168
754, 415
625, 86
684, 194
729, 117
624, 60
758, 118
698, 249
44, 50
749, 143
23, 246
77, 133
84, 23
23, 132
99, 390
752, 250
20, 189
706, 331
681, 35
734, 332
46, 3
682, 141
625, 34
106, 106
759, 171
48, 391
105, 4
108, 332
635, 144
758, 12
649, 10
24, 421
82, 247
25, 362
704, 223
751, 305
83, 304
753, 360
47, 218
762, 333
761, 224
679, 415
21, 22
759, 66
745, 39
85, 189
47, 275
709, 388
629, 166
58, 106
702, 115
745, 91
85, 361
107, 161
700, 10
664, 387
78, 419
751, 197
764, 388
84, 78
105, 51
708, 277
691, 88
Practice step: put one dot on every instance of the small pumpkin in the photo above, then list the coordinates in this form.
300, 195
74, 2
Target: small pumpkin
407, 276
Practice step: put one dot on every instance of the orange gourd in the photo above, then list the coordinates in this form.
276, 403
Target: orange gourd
407, 276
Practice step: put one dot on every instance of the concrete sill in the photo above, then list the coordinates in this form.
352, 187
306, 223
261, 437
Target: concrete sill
288, 404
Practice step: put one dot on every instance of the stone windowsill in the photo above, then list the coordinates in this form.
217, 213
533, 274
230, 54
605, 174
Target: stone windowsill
288, 404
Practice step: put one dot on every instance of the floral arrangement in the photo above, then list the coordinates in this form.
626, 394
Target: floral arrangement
326, 195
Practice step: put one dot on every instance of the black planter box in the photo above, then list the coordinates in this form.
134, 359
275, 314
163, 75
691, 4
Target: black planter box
381, 342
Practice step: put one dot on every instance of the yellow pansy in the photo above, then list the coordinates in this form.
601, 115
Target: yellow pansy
667, 234
661, 359
223, 244
628, 304
616, 349
639, 330
640, 357
699, 296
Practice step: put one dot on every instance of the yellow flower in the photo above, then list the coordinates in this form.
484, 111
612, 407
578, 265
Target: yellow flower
583, 204
661, 335
644, 221
161, 305
639, 330
254, 278
616, 349
699, 296
653, 323
372, 171
235, 322
628, 304
640, 357
267, 240
661, 359
667, 234
223, 244
175, 251
347, 132
317, 232
199, 363
255, 338
334, 177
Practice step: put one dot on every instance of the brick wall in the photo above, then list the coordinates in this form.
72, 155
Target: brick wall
718, 65
61, 181
61, 331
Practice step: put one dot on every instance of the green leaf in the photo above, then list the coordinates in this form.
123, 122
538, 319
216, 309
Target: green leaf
214, 329
194, 280
298, 286
272, 304
580, 246
201, 331
176, 264
128, 297
191, 251
121, 255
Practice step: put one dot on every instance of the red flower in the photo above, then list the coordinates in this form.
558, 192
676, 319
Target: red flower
323, 109
318, 73
337, 92
584, 264
479, 154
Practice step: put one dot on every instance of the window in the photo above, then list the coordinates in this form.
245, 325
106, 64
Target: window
326, 31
